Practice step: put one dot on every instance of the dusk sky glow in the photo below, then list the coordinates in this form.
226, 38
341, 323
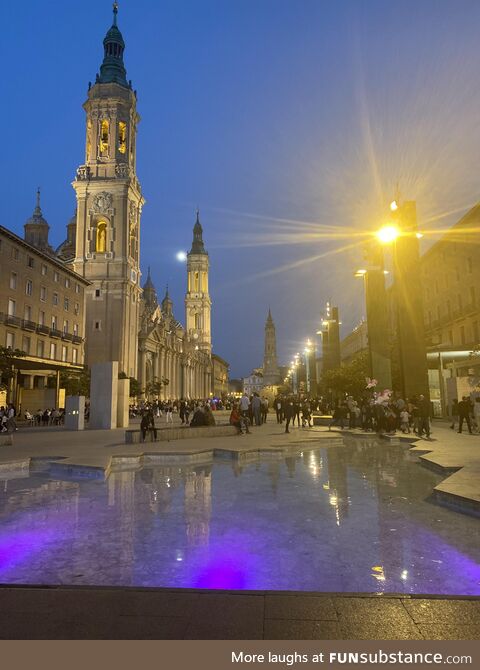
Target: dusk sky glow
288, 123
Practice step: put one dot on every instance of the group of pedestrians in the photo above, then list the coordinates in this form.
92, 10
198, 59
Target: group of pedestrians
466, 411
200, 410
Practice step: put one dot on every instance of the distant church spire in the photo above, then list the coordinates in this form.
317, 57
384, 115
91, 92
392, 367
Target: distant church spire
37, 228
271, 372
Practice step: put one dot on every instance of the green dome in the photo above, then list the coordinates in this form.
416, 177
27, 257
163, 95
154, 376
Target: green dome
113, 69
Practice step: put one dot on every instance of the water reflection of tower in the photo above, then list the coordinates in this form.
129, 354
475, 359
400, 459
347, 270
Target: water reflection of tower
198, 505
338, 481
121, 496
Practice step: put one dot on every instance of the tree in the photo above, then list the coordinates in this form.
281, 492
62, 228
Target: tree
76, 382
8, 357
135, 389
350, 377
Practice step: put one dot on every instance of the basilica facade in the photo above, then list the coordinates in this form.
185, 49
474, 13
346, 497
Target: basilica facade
124, 321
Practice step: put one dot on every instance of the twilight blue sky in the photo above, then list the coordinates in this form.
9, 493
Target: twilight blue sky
289, 123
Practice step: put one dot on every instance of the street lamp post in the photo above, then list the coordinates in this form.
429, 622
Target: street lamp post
409, 304
377, 317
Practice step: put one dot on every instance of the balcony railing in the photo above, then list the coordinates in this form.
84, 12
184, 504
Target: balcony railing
77, 339
29, 325
55, 333
14, 321
43, 330
68, 337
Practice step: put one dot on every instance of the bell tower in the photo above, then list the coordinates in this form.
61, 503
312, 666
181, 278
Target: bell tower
197, 301
109, 206
271, 372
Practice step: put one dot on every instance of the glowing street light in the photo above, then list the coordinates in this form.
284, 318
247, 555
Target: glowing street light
388, 234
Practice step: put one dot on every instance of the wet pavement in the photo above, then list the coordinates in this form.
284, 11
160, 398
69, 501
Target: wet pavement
84, 613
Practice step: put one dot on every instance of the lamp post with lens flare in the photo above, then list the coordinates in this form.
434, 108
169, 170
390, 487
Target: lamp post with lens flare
373, 274
408, 299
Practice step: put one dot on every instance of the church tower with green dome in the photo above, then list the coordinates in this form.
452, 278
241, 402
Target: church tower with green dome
109, 206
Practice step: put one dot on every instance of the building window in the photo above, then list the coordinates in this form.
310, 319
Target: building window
43, 293
122, 137
27, 313
74, 356
55, 298
65, 326
103, 144
76, 308
29, 287
15, 254
473, 297
10, 341
77, 288
97, 325
66, 304
13, 280
26, 345
40, 348
450, 336
462, 334
75, 328
11, 307
53, 351
41, 318
54, 322
97, 293
56, 276
64, 353
30, 261
67, 282
44, 270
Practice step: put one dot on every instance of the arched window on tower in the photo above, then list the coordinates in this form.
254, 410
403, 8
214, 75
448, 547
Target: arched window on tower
204, 282
122, 137
196, 282
103, 145
101, 242
89, 140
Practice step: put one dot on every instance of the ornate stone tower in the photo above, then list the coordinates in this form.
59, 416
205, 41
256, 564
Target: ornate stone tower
271, 372
197, 301
109, 205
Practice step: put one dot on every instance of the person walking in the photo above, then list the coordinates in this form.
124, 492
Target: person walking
278, 409
256, 408
423, 416
464, 411
289, 412
454, 413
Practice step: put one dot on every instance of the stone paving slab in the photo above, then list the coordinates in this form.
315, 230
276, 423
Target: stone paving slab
128, 613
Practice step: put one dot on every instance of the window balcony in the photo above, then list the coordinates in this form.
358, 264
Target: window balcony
14, 321
29, 325
68, 337
43, 330
55, 333
77, 339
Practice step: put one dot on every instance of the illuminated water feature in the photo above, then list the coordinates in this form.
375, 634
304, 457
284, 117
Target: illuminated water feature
353, 518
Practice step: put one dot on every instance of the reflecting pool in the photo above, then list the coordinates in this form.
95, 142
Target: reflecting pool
353, 518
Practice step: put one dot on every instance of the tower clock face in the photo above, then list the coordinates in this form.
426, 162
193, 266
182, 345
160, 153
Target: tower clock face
195, 336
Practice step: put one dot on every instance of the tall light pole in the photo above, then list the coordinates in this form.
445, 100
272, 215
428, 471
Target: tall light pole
377, 315
409, 302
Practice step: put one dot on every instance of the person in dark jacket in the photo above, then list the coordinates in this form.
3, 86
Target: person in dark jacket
423, 416
290, 411
464, 411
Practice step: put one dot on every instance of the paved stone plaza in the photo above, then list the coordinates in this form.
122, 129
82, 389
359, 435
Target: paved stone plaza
165, 613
